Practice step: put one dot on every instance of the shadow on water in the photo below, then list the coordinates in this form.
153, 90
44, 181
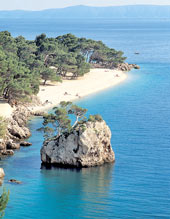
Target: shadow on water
87, 189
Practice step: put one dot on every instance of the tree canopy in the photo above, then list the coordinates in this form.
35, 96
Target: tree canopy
66, 118
25, 63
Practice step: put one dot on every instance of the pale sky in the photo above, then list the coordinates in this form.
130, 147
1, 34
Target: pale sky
46, 4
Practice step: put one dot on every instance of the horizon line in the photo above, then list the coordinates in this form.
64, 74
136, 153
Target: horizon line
90, 6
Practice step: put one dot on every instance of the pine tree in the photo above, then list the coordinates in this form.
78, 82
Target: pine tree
4, 198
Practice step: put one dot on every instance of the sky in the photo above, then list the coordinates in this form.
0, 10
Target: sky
46, 4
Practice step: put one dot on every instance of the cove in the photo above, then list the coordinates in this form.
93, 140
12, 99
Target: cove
132, 186
138, 113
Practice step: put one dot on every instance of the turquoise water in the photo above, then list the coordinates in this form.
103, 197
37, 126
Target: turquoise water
138, 113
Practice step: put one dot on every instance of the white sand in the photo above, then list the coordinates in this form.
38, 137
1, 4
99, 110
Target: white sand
69, 90
5, 109
96, 80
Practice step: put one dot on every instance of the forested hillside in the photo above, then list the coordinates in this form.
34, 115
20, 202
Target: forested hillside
24, 64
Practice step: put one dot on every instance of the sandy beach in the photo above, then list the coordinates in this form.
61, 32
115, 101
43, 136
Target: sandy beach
70, 90
5, 109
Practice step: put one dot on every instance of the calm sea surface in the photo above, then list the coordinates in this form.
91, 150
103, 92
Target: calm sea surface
138, 113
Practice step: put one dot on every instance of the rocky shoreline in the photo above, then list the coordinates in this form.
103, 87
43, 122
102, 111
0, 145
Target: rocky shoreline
121, 67
17, 131
127, 67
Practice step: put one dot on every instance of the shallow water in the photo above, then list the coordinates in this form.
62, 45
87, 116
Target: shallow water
138, 113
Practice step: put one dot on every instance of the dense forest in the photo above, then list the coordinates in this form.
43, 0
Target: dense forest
24, 64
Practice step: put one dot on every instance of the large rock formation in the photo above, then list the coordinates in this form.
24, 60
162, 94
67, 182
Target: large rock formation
86, 148
17, 128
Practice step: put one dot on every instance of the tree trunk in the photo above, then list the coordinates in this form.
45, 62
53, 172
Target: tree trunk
44, 82
77, 119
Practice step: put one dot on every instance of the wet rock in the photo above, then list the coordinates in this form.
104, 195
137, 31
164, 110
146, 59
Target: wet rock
127, 67
15, 181
25, 144
39, 113
12, 145
90, 147
136, 67
7, 152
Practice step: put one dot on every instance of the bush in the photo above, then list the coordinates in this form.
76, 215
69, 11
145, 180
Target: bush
94, 118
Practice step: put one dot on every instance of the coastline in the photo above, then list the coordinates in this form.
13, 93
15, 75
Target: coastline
48, 97
69, 90
53, 93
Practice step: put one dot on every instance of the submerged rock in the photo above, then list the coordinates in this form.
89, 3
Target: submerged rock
1, 181
90, 147
15, 181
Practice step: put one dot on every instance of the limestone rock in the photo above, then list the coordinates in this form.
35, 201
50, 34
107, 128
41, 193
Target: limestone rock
17, 124
127, 67
7, 152
15, 181
39, 113
87, 148
25, 144
2, 144
18, 132
12, 145
2, 174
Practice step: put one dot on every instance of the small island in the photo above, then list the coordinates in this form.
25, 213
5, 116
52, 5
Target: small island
85, 143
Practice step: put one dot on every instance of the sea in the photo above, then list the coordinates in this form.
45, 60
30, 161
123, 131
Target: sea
137, 111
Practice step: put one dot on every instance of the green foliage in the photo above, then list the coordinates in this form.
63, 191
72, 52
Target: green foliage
48, 131
24, 63
94, 118
49, 74
61, 122
4, 198
3, 127
17, 81
60, 118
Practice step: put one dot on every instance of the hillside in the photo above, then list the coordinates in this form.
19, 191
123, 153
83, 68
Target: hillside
131, 11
